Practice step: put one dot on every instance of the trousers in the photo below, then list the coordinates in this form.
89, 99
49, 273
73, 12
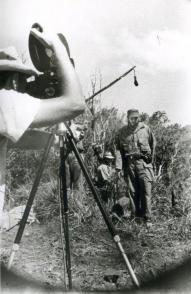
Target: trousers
138, 176
73, 172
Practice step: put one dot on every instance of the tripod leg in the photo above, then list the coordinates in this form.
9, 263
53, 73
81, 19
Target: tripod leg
97, 198
64, 209
23, 221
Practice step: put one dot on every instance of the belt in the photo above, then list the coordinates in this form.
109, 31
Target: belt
133, 156
136, 156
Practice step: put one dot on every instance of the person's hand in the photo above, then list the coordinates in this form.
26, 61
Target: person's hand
82, 134
50, 41
147, 157
45, 39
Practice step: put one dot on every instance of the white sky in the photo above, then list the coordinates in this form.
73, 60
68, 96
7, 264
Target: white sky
110, 36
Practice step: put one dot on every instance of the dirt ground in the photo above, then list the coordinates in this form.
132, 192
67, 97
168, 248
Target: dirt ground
96, 262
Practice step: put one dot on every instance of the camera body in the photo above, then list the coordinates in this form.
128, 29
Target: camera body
47, 84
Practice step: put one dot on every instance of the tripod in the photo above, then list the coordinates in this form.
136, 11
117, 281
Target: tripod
68, 138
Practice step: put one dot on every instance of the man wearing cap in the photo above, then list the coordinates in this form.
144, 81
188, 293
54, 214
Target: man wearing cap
105, 174
19, 111
135, 146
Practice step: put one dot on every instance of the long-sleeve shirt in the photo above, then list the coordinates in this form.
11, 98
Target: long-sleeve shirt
105, 173
130, 141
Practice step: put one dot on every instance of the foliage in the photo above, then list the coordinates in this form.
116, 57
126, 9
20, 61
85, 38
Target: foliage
171, 188
173, 160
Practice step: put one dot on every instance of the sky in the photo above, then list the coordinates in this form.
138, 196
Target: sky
108, 37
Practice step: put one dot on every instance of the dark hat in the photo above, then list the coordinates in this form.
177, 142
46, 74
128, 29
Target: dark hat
134, 111
108, 155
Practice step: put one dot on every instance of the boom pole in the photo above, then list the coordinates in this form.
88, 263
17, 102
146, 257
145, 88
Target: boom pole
110, 84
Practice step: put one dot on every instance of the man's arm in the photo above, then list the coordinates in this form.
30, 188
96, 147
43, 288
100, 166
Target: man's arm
118, 161
71, 103
152, 143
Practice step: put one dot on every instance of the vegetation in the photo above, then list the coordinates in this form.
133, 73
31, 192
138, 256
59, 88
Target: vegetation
172, 162
150, 251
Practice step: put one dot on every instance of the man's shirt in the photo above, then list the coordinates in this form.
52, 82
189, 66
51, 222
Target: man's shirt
130, 141
105, 173
17, 112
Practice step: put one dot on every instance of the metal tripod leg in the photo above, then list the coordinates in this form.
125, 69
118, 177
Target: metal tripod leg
97, 198
23, 221
64, 208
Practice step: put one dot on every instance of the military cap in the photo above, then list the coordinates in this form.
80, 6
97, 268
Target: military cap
134, 111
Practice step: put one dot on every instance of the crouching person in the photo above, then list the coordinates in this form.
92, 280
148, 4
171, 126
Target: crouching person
105, 177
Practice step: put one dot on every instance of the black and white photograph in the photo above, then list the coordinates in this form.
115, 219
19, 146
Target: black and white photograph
95, 146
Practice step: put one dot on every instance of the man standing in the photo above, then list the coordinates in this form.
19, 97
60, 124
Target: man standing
19, 111
135, 146
73, 169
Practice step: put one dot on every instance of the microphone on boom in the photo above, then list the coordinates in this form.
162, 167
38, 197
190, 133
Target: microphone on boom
135, 80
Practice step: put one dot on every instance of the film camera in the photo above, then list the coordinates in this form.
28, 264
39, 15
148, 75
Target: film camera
47, 84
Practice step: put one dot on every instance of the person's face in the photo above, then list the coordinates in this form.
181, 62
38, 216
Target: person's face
133, 120
12, 81
108, 161
7, 80
16, 81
